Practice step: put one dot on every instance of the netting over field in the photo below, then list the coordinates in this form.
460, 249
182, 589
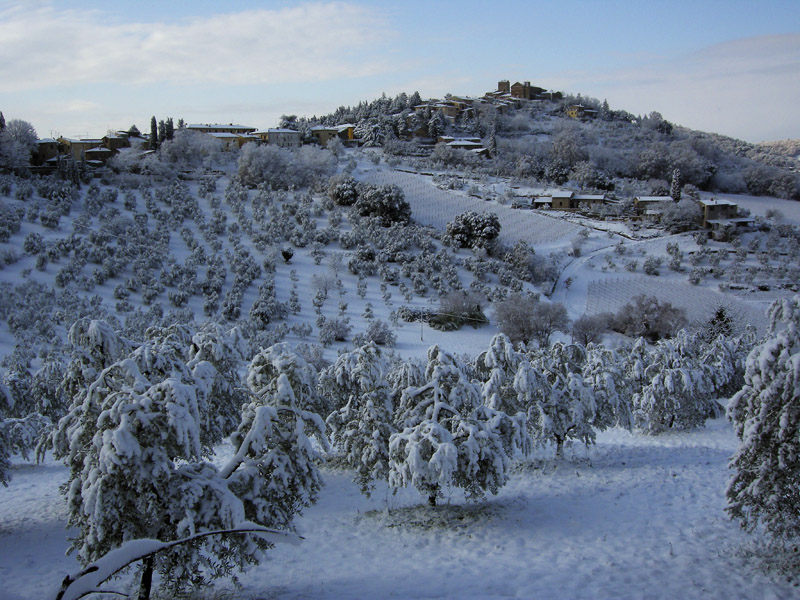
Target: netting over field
610, 295
436, 207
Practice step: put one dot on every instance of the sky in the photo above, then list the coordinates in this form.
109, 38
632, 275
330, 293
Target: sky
83, 67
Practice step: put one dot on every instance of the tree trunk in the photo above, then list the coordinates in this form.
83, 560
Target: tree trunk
559, 448
432, 496
147, 579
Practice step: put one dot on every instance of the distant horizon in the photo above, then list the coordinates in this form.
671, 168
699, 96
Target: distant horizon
78, 69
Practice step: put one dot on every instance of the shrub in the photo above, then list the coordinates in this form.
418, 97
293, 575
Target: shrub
589, 328
524, 318
386, 202
456, 309
647, 317
474, 230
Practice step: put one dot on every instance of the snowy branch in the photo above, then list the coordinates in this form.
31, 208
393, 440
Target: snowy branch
88, 580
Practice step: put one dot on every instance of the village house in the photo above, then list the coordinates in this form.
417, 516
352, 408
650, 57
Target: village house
285, 138
561, 200
579, 111
346, 133
76, 147
507, 92
231, 140
323, 134
220, 128
46, 149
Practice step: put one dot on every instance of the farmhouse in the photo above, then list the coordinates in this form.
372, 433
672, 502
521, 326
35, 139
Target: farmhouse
719, 213
46, 149
561, 200
77, 148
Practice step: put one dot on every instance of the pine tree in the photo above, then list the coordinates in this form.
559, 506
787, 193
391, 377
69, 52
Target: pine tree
162, 132
2, 121
765, 413
436, 125
135, 444
560, 405
362, 424
447, 437
153, 133
169, 129
678, 393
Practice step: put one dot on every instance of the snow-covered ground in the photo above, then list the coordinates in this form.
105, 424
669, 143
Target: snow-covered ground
632, 517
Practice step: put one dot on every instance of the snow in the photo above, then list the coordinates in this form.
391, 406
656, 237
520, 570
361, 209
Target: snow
634, 517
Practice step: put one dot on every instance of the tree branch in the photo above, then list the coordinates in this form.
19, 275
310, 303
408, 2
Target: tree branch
89, 579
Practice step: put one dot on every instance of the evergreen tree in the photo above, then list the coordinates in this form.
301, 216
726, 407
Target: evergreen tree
362, 425
169, 129
153, 133
447, 437
765, 413
137, 453
560, 405
436, 125
2, 121
675, 187
162, 132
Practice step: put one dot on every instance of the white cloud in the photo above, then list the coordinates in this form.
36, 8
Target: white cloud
43, 46
748, 88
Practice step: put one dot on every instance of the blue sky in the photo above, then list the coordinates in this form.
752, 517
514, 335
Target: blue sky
81, 67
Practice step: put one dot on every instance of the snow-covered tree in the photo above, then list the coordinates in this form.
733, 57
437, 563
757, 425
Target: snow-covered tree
447, 437
474, 230
361, 424
18, 435
496, 368
603, 373
764, 489
225, 351
560, 405
139, 468
268, 365
678, 389
17, 141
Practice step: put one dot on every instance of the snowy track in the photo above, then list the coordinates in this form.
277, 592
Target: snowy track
436, 207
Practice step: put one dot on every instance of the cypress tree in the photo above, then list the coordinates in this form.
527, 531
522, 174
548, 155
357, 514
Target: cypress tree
675, 188
153, 133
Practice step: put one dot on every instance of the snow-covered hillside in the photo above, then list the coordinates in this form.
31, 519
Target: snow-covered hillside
633, 516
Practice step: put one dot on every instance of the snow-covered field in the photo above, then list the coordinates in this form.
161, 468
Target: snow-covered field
632, 517
436, 207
